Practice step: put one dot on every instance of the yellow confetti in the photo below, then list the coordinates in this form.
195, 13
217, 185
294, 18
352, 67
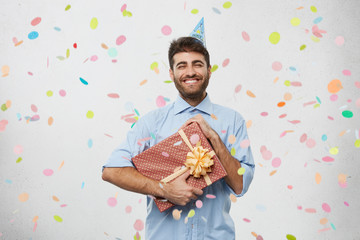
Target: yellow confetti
241, 171
67, 53
334, 151
191, 213
94, 23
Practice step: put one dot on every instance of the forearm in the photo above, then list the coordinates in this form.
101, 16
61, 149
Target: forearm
231, 165
130, 179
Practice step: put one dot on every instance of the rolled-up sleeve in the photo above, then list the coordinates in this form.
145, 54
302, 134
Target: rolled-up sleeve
130, 147
243, 154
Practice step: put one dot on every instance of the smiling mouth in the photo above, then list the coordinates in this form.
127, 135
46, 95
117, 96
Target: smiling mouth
191, 80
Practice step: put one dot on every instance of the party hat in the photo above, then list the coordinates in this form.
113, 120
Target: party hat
199, 32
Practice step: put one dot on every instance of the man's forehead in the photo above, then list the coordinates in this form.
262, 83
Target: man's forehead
188, 57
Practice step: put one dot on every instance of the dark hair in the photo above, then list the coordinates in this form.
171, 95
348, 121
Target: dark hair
187, 44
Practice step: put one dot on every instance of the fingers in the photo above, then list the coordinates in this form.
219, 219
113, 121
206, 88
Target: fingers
184, 176
198, 191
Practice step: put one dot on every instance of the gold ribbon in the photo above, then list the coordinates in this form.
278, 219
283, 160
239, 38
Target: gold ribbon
198, 161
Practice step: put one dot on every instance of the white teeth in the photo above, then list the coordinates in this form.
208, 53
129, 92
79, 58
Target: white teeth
190, 81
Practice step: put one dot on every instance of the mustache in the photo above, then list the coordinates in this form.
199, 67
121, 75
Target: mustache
191, 76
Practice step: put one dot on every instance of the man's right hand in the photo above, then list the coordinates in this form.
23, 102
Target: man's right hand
179, 192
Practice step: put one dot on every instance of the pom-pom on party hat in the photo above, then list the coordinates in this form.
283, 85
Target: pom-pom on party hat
199, 32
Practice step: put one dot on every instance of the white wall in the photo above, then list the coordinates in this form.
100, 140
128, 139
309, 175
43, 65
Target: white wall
288, 201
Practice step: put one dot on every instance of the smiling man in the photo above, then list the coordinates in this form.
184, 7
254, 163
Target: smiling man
225, 129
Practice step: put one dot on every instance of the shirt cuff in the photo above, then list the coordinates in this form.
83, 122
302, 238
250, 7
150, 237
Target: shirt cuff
247, 178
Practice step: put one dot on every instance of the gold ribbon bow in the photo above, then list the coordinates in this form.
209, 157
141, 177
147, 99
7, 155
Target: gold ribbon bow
198, 161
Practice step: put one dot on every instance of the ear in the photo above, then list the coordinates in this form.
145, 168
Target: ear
209, 71
171, 73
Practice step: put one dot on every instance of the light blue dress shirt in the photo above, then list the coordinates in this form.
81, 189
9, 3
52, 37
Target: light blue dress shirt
212, 220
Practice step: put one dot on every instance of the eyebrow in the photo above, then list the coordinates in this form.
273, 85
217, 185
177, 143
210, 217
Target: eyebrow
193, 62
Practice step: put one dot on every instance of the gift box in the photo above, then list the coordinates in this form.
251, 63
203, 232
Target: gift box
186, 150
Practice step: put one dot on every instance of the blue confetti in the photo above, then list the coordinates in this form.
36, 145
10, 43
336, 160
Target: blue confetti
324, 137
152, 135
167, 99
318, 99
333, 226
82, 185
83, 81
33, 35
90, 143
292, 69
8, 181
318, 20
57, 29
136, 111
216, 10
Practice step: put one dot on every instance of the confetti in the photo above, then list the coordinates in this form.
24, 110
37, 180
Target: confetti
194, 139
33, 35
57, 218
191, 213
36, 21
310, 143
245, 143
227, 5
290, 237
241, 171
3, 124
276, 162
233, 198
295, 21
113, 95
237, 88
326, 207
90, 143
233, 151
347, 114
165, 154
328, 159
198, 203
226, 62
18, 149
23, 197
195, 11
276, 66
139, 225
112, 202
94, 23
317, 178
217, 11
5, 70
214, 68
166, 30
274, 38
335, 86
176, 214
160, 101
90, 114
83, 81
120, 40
67, 7
245, 36
313, 9
210, 196
339, 40
250, 94
48, 172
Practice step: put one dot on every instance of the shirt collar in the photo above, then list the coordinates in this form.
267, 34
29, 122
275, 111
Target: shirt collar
205, 106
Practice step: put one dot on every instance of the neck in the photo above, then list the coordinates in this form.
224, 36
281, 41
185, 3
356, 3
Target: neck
195, 100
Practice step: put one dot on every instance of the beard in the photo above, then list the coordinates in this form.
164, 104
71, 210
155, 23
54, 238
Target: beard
192, 92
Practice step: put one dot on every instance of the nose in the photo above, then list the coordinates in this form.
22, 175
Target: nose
190, 71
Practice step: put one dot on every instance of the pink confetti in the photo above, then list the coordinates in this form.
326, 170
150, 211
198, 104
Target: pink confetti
326, 207
139, 225
36, 21
310, 143
63, 205
237, 88
128, 209
303, 138
246, 220
294, 121
283, 115
18, 149
113, 95
166, 30
130, 120
48, 172
264, 114
339, 40
120, 40
334, 97
276, 66
245, 143
330, 117
226, 62
357, 103
310, 210
346, 204
290, 187
112, 202
276, 162
199, 204
35, 118
296, 84
309, 103
3, 124
328, 159
346, 72
160, 101
357, 84
165, 154
62, 93
123, 8
194, 139
210, 196
245, 36
283, 134
266, 155
93, 58
30, 73
34, 108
